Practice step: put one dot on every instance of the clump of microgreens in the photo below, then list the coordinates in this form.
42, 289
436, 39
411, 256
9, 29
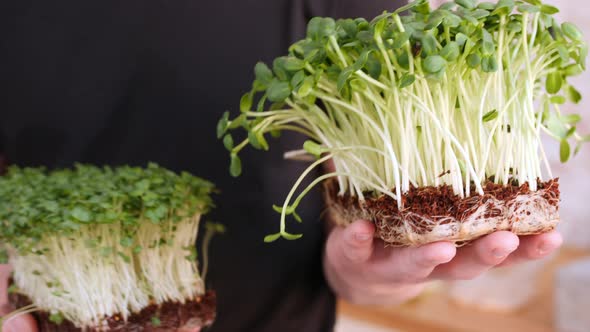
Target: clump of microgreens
464, 90
88, 243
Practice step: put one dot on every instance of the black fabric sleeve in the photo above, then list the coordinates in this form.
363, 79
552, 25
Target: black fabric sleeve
351, 8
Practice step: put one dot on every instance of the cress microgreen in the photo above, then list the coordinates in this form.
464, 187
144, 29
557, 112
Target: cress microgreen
89, 242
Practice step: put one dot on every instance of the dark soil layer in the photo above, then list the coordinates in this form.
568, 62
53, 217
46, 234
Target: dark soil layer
171, 316
434, 203
441, 201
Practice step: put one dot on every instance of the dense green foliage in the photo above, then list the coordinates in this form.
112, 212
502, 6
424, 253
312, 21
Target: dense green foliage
36, 203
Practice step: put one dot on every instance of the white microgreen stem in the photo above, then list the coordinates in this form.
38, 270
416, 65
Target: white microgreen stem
86, 281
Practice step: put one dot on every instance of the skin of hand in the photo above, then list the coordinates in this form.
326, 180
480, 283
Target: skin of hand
26, 323
361, 270
23, 323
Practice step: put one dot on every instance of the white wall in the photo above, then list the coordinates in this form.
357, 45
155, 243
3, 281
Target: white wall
575, 175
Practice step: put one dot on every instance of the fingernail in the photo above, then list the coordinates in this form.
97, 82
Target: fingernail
362, 237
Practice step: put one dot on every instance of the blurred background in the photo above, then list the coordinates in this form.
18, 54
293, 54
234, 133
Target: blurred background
549, 295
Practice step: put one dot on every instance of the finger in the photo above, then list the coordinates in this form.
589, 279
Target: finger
410, 265
329, 166
5, 271
23, 323
352, 244
192, 329
535, 247
192, 325
477, 258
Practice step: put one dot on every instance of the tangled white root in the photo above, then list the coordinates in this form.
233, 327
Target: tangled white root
524, 214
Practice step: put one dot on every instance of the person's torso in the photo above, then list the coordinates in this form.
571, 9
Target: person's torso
127, 82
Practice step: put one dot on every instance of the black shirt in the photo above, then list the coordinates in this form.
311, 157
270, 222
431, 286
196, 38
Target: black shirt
131, 81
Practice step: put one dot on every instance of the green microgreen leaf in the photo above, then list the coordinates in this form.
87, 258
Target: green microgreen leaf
313, 148
487, 6
504, 7
293, 64
473, 60
125, 257
406, 80
559, 100
489, 64
56, 318
291, 237
429, 44
81, 213
272, 237
297, 79
564, 151
193, 255
278, 91
246, 102
572, 31
235, 168
553, 82
373, 66
548, 9
306, 87
156, 321
401, 39
573, 94
297, 217
461, 39
563, 53
468, 4
489, 116
571, 118
480, 13
156, 213
488, 46
263, 73
126, 241
222, 124
13, 289
573, 70
450, 52
253, 140
528, 8
434, 64
228, 142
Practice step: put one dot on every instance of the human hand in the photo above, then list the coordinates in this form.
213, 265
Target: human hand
22, 323
361, 270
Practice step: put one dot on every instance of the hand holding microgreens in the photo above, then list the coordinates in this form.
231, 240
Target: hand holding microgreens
459, 96
89, 243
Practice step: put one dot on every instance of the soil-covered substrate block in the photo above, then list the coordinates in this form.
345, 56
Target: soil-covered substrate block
430, 214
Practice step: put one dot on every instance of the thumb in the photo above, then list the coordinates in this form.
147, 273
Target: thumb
353, 243
23, 323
